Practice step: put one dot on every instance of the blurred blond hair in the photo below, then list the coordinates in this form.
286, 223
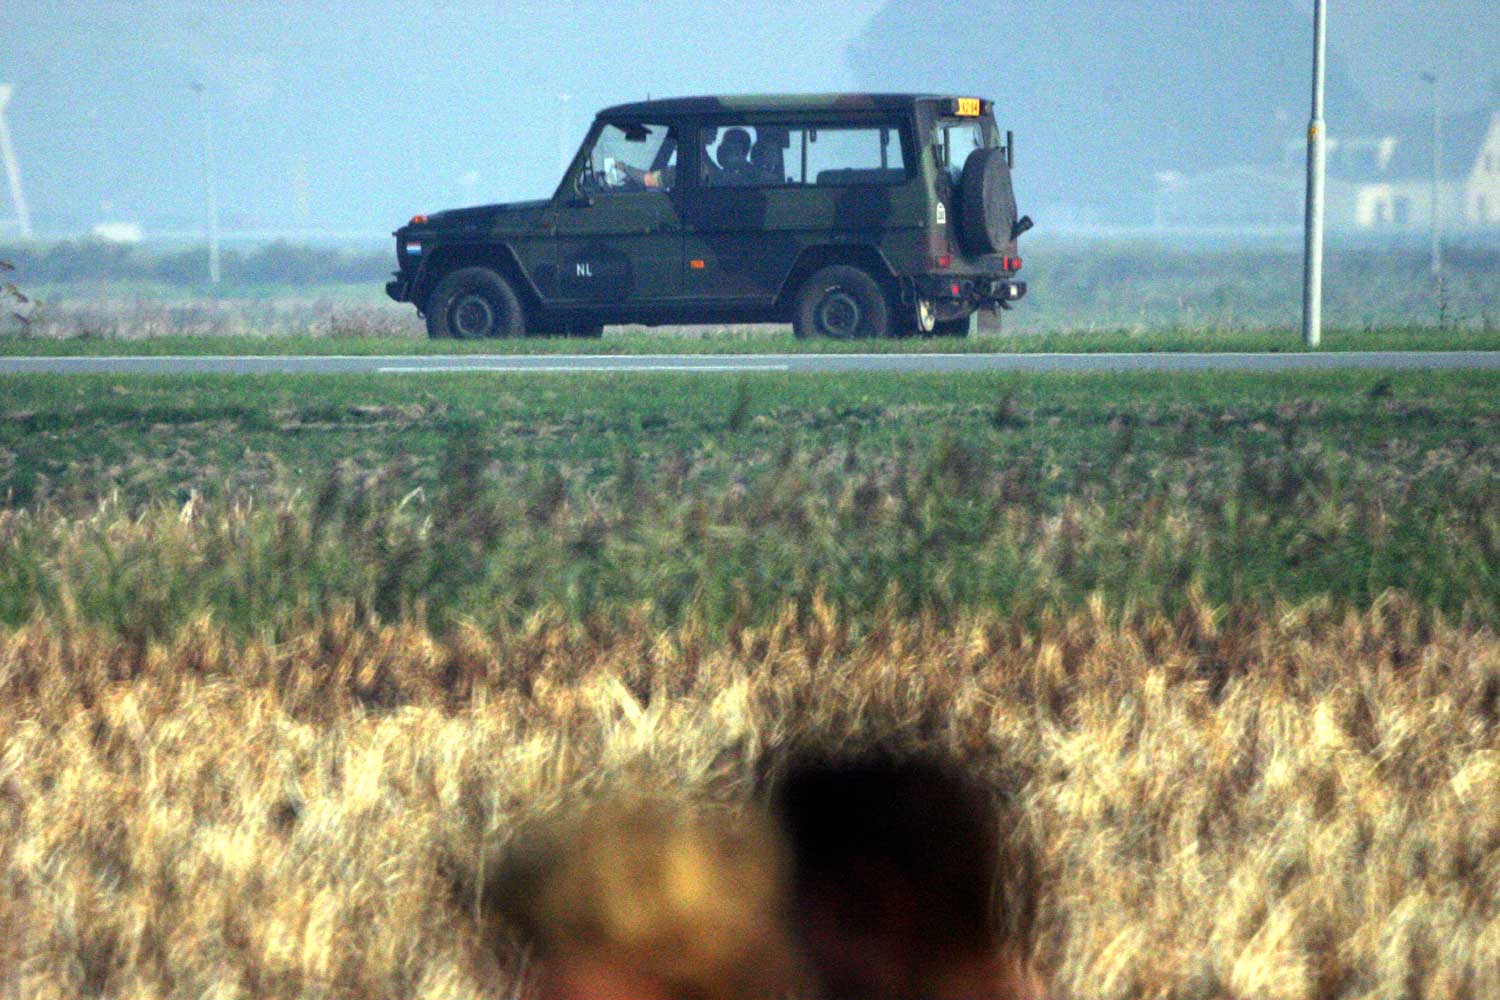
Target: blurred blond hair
639, 895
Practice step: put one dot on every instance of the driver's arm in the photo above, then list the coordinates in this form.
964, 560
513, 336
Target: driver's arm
653, 179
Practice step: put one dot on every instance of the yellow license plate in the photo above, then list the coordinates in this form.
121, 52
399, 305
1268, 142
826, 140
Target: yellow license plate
967, 107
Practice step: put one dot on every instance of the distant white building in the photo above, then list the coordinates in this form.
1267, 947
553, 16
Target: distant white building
119, 232
1482, 190
1379, 180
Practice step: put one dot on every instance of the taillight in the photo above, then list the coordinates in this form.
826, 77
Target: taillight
935, 247
1011, 263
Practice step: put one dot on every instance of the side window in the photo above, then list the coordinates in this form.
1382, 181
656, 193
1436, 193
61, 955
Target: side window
778, 156
631, 157
843, 156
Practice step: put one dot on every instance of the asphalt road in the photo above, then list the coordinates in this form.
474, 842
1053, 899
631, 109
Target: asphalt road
548, 363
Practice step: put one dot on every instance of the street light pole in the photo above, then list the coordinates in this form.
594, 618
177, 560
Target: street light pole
1312, 254
1437, 167
210, 186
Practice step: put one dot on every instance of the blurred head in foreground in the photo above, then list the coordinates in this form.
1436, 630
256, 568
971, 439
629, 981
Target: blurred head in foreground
896, 875
635, 898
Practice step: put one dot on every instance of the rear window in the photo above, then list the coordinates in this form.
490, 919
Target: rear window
954, 139
804, 156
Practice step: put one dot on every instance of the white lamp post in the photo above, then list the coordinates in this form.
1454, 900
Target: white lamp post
211, 207
1437, 166
1312, 256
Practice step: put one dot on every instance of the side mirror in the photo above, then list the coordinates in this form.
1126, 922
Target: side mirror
1021, 225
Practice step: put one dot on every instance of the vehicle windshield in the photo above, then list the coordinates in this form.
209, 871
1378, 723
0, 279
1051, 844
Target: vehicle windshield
631, 157
955, 138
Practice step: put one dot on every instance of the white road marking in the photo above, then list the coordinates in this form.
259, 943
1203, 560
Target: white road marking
416, 369
829, 363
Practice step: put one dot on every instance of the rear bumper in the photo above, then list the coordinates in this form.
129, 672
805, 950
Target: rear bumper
971, 289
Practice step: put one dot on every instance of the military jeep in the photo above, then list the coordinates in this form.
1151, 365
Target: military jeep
847, 215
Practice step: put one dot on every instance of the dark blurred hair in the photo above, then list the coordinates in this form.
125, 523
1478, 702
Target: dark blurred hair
881, 823
908, 879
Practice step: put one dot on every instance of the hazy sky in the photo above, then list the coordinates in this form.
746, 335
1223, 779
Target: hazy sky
353, 116
1386, 43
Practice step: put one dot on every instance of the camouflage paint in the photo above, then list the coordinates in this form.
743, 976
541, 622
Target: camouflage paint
698, 251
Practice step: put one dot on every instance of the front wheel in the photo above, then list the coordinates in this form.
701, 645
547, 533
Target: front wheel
842, 303
552, 327
473, 303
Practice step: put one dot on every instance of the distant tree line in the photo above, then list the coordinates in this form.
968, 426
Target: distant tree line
278, 263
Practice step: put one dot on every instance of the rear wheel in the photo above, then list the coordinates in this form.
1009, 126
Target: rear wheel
925, 316
957, 327
842, 303
474, 303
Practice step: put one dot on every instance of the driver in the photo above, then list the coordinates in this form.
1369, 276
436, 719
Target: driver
620, 175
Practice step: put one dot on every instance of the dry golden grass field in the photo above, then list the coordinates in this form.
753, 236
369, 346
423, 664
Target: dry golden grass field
278, 696
1297, 806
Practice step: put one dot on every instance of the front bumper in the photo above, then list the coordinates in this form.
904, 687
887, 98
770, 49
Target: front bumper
399, 288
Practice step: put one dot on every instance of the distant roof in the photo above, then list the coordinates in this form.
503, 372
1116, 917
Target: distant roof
1410, 150
770, 102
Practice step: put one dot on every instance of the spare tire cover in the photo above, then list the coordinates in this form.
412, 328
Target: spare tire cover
987, 204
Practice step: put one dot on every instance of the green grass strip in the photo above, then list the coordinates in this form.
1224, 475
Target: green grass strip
761, 340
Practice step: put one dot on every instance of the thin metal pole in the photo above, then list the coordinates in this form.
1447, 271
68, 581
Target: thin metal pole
1312, 257
1437, 168
210, 186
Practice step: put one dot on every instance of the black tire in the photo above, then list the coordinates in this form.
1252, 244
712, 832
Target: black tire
909, 320
986, 203
552, 326
956, 327
842, 303
473, 303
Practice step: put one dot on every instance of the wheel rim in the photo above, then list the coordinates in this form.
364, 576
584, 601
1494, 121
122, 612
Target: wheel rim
926, 320
838, 314
473, 317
